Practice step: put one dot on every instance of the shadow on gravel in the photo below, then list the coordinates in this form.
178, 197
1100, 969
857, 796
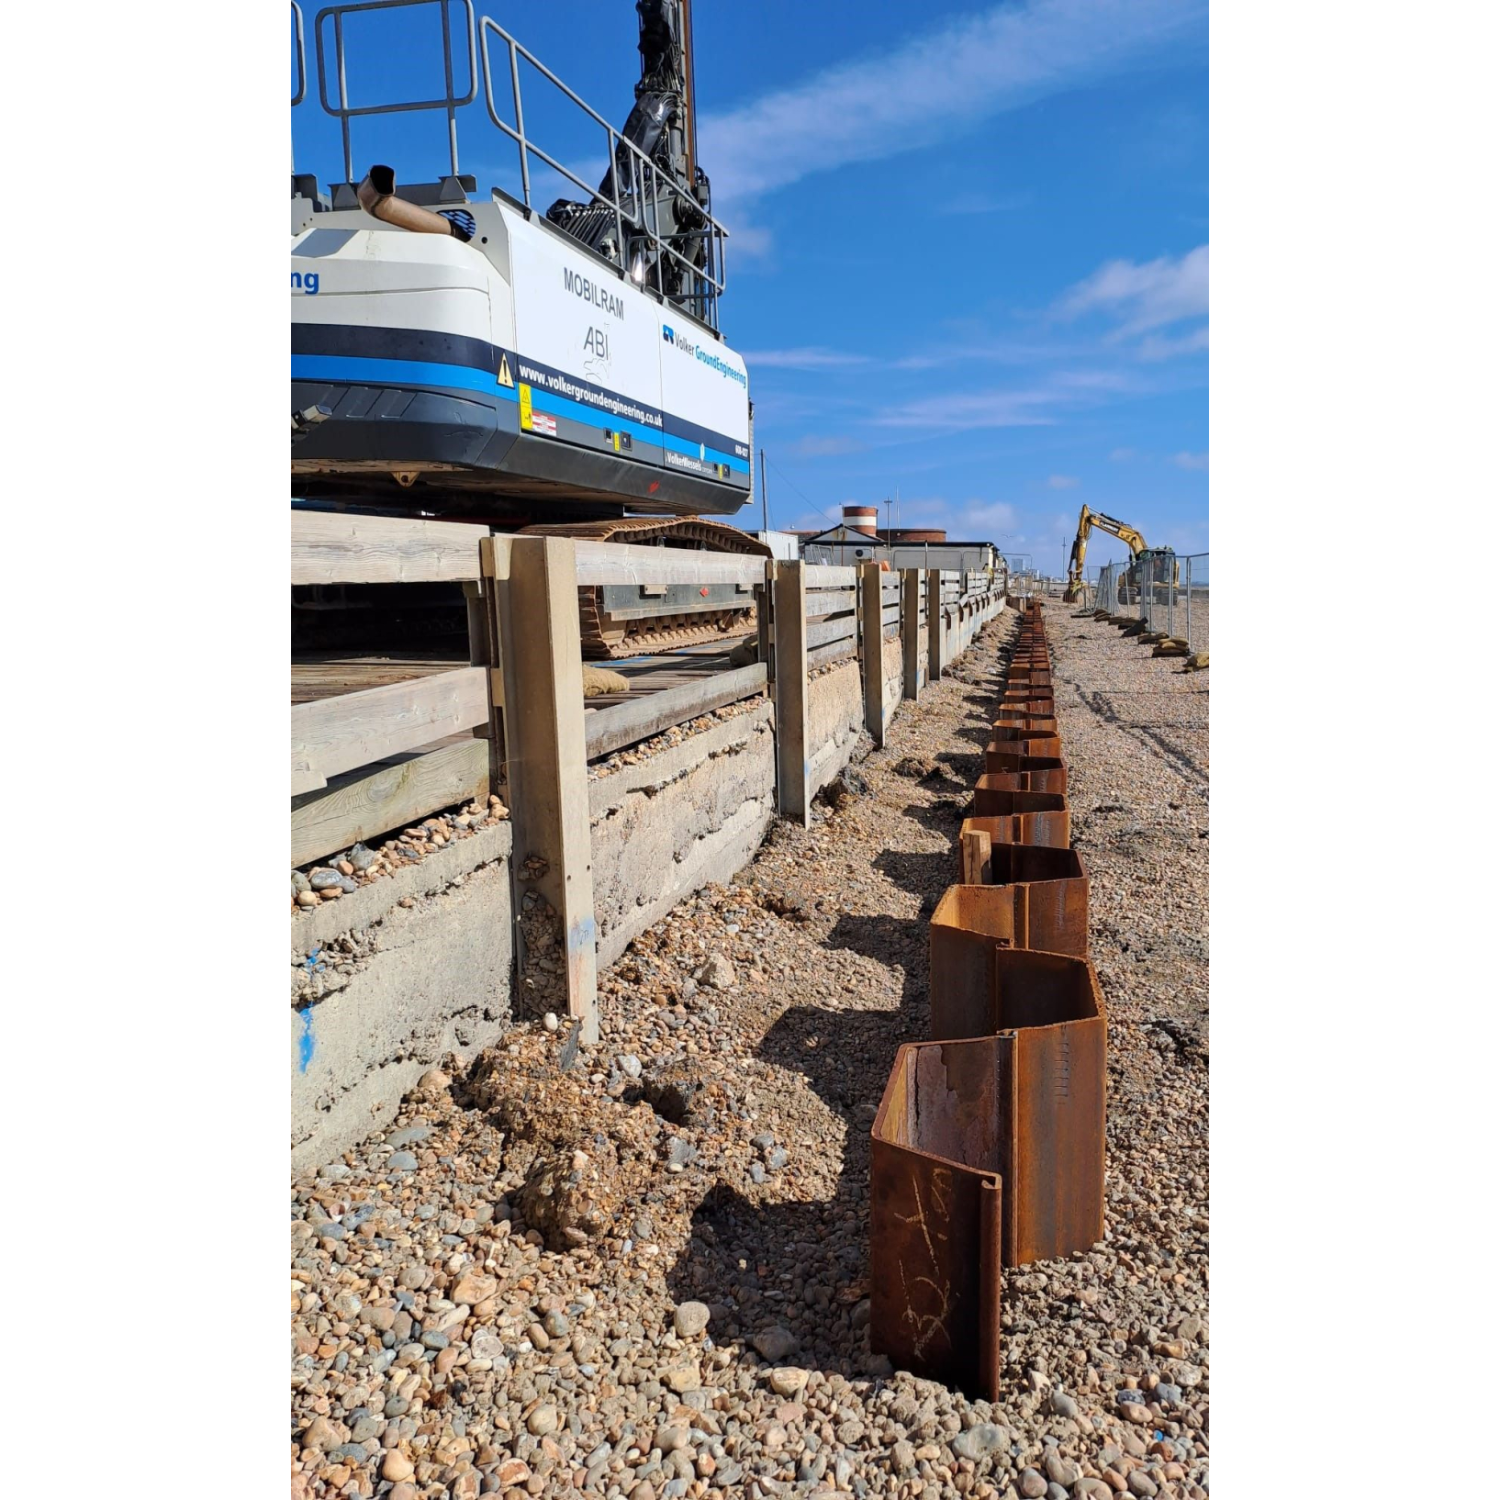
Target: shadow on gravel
976, 734
942, 815
797, 1265
1099, 705
924, 875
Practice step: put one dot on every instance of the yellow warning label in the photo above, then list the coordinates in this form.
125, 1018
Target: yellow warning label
616, 437
504, 376
524, 392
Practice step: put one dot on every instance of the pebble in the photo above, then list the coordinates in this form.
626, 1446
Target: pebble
1031, 1484
1141, 1483
1060, 1470
774, 1343
690, 1319
978, 1441
1063, 1404
401, 1161
543, 1421
550, 1020
788, 1380
717, 973
397, 1466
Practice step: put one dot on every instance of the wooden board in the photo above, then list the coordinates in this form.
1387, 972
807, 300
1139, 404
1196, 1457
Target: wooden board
601, 563
627, 722
822, 632
356, 729
535, 596
400, 790
330, 547
790, 603
312, 680
874, 656
822, 602
820, 656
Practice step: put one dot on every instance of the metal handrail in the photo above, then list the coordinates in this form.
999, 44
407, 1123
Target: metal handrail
301, 93
645, 180
643, 172
344, 111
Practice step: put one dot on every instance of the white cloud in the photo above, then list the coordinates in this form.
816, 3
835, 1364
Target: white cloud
983, 203
971, 520
934, 83
1062, 482
1154, 347
1190, 460
1145, 296
1035, 406
826, 447
1121, 455
803, 359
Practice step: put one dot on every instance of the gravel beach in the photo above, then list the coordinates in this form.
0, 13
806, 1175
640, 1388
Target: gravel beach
642, 1272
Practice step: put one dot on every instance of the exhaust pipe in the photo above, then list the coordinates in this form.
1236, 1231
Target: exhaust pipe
376, 196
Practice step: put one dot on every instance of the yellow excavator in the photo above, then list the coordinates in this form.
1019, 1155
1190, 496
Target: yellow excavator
1087, 521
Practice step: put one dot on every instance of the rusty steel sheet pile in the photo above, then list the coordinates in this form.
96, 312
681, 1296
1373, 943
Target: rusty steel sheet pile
987, 1150
1050, 1009
1039, 899
1007, 743
1040, 773
936, 1217
1050, 829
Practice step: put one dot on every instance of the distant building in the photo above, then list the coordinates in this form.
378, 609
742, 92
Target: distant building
858, 539
785, 545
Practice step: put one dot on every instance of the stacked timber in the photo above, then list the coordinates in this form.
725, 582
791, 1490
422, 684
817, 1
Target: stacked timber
988, 1146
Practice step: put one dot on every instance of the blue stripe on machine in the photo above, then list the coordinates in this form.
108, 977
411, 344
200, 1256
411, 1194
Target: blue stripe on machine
358, 371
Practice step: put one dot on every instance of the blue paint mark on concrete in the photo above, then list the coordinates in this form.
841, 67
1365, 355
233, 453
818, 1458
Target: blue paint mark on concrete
305, 1042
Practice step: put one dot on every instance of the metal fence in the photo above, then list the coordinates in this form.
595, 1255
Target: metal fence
1167, 594
1195, 601
1106, 588
1157, 579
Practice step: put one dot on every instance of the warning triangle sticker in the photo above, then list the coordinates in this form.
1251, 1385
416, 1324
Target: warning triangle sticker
505, 378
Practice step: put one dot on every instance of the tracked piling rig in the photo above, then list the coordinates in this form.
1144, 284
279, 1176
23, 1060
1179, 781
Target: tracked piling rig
560, 371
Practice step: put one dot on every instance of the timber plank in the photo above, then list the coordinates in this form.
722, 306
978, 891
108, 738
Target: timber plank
339, 734
362, 804
333, 547
625, 723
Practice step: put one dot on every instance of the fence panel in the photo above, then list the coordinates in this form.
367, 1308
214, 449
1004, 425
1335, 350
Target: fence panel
1195, 601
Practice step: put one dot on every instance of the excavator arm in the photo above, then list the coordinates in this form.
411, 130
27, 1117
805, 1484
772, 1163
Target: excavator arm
1087, 521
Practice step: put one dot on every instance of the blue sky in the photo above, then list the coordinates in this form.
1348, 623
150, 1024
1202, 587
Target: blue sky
969, 252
